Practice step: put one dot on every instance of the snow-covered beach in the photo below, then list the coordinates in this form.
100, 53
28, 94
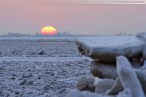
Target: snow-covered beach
39, 68
43, 67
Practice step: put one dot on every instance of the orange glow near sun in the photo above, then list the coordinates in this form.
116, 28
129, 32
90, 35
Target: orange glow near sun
48, 30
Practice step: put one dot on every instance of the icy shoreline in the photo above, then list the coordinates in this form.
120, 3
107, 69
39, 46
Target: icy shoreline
25, 72
42, 59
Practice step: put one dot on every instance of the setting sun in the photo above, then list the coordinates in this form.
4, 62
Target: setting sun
48, 30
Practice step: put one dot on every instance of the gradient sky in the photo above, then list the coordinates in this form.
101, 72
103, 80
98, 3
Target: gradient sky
29, 16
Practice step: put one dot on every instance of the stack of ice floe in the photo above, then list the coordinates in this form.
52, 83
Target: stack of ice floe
118, 67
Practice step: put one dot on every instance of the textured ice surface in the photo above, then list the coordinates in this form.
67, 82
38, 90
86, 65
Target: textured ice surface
26, 72
38, 49
47, 79
110, 41
42, 59
38, 39
106, 48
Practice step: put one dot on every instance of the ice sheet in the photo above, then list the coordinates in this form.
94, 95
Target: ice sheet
42, 59
110, 41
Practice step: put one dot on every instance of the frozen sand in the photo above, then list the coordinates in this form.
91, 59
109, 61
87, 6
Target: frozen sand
40, 79
24, 72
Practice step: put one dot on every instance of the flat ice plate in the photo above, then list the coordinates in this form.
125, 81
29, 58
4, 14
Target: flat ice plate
106, 48
110, 41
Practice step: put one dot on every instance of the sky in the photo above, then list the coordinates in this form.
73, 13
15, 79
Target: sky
74, 16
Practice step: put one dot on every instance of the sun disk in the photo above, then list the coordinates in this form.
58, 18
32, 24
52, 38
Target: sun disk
48, 30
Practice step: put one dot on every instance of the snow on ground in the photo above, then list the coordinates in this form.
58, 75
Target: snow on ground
40, 79
42, 59
38, 49
40, 68
38, 39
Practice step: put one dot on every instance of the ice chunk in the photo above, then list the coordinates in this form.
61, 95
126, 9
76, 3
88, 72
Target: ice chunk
128, 77
106, 48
